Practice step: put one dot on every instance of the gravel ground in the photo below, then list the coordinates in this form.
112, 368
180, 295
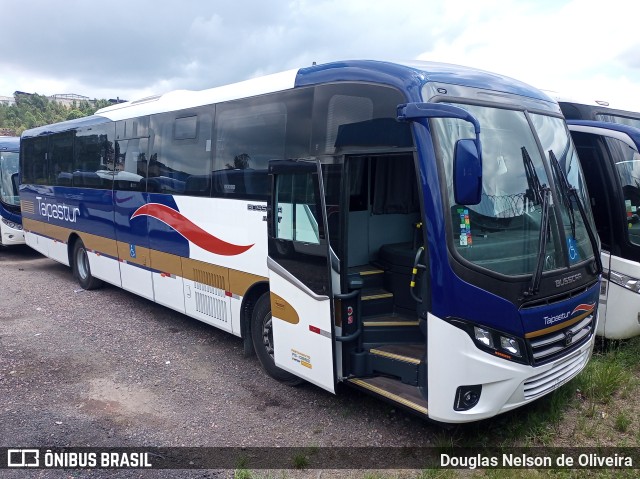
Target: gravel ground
106, 368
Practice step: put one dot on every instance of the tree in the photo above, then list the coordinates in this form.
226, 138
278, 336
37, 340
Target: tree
33, 110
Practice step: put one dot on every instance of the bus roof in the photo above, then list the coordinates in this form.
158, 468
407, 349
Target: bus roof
408, 76
10, 143
632, 132
601, 105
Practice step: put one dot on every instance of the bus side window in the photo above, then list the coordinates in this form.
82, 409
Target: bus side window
131, 164
94, 157
180, 158
297, 203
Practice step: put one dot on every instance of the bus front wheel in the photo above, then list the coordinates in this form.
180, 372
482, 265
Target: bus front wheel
81, 267
262, 337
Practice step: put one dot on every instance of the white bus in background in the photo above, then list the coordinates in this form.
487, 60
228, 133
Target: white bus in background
11, 232
608, 140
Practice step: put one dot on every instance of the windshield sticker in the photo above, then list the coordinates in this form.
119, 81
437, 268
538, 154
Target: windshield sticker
574, 256
631, 212
465, 227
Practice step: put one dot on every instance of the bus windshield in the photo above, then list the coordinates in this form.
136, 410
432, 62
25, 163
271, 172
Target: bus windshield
628, 169
502, 233
622, 120
9, 178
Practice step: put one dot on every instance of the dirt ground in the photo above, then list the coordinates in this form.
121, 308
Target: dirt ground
106, 368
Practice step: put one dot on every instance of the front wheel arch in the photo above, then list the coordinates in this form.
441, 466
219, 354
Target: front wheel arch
263, 342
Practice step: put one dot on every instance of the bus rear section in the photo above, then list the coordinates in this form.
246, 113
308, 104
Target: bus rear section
11, 232
400, 228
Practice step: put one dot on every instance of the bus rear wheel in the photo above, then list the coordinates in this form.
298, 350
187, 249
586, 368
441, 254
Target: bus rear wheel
81, 267
262, 337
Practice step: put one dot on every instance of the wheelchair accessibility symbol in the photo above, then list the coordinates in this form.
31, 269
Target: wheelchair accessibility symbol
573, 249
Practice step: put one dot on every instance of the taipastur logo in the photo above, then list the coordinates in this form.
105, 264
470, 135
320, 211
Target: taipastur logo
581, 308
56, 211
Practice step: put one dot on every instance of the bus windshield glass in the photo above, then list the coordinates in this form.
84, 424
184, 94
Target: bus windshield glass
628, 169
622, 120
9, 178
503, 232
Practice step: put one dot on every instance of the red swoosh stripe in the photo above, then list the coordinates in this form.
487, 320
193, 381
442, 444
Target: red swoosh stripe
584, 307
190, 230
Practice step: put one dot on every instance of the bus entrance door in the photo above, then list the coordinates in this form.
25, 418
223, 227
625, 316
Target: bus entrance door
299, 273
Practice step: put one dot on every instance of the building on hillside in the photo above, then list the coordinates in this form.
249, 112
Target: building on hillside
7, 100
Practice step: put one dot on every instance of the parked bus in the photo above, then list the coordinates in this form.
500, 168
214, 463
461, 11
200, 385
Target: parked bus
608, 154
10, 220
611, 163
419, 231
596, 110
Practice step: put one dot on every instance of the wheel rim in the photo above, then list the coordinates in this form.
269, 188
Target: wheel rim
267, 334
83, 263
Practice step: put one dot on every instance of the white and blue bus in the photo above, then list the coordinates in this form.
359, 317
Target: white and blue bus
419, 231
611, 163
10, 219
606, 138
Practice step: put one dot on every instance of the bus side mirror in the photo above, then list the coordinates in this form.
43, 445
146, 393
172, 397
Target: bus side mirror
467, 173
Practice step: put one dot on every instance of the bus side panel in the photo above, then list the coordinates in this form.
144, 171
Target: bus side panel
623, 305
98, 232
133, 243
166, 250
233, 237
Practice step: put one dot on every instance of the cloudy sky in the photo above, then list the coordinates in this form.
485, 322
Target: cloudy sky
133, 48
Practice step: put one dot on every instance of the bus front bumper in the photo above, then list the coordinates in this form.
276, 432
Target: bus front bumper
455, 362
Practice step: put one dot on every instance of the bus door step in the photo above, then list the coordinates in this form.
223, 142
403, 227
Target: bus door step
403, 361
393, 391
376, 301
391, 329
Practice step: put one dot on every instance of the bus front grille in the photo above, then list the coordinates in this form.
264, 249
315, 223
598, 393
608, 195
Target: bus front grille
555, 377
557, 343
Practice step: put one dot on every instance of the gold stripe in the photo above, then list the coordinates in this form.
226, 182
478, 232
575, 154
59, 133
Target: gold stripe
93, 242
393, 397
399, 357
281, 309
237, 282
166, 262
551, 329
370, 272
142, 254
377, 296
390, 323
240, 282
100, 244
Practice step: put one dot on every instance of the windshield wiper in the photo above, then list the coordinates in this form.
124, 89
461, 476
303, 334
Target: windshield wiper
565, 188
568, 191
542, 195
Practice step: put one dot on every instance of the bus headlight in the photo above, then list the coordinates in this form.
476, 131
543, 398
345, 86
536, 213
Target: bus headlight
494, 342
625, 281
483, 336
510, 345
12, 225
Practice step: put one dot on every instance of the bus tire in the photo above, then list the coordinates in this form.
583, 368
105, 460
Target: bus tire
81, 268
262, 337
